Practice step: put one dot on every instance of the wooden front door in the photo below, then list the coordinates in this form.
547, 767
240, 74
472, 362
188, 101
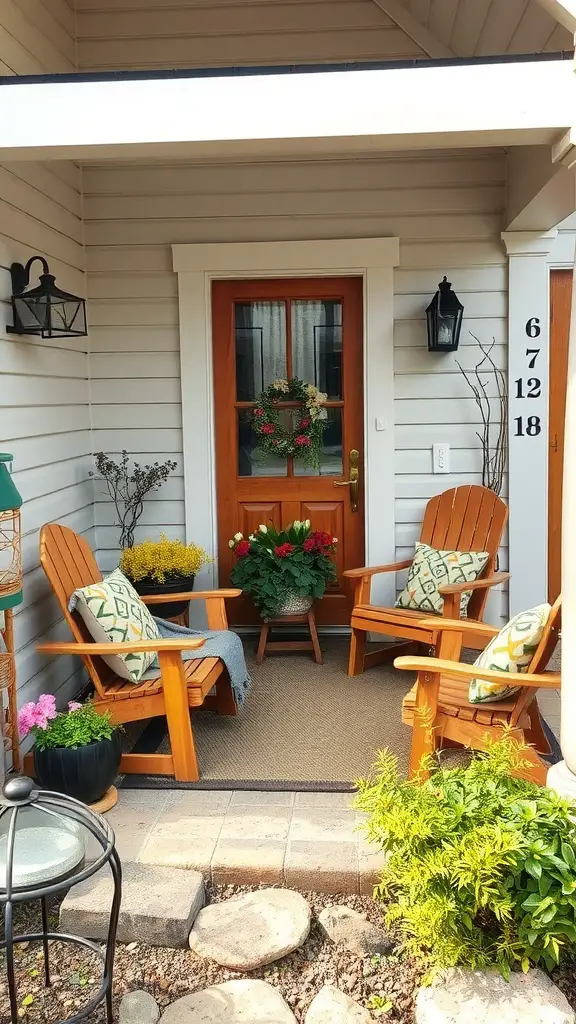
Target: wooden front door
262, 331
560, 306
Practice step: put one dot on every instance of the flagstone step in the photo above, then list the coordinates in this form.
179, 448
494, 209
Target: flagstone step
159, 905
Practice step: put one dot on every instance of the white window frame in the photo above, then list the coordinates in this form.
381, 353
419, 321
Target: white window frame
197, 266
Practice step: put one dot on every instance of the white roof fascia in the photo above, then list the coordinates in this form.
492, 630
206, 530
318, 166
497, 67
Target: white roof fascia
424, 107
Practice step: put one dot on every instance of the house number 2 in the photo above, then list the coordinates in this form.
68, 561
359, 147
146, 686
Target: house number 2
531, 387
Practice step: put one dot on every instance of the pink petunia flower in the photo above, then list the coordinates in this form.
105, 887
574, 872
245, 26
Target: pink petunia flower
73, 705
47, 705
26, 718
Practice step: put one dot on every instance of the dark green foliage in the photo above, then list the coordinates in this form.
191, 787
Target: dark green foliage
482, 868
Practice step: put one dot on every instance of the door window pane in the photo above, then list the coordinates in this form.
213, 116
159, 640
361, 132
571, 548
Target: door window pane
317, 344
250, 461
331, 463
260, 343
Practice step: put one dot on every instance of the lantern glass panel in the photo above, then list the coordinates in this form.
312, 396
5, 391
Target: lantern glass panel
10, 553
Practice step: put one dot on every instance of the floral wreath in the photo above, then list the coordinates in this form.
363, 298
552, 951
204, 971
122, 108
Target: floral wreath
304, 441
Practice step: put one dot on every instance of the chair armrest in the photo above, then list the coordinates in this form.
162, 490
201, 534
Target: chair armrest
480, 584
460, 626
126, 647
189, 595
354, 574
433, 666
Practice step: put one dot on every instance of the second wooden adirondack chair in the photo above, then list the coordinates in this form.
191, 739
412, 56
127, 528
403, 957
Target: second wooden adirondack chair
442, 689
461, 519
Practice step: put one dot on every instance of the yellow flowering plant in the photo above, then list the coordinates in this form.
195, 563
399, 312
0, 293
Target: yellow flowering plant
162, 561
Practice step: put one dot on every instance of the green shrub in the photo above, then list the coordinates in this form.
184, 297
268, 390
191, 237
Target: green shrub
482, 866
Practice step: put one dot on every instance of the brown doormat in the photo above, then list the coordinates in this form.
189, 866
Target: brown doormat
303, 727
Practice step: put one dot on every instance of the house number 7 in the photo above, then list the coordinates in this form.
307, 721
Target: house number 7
531, 388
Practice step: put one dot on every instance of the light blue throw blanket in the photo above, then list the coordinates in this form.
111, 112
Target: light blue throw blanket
220, 643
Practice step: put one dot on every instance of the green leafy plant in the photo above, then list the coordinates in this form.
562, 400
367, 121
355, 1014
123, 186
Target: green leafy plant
379, 1005
271, 564
481, 866
77, 727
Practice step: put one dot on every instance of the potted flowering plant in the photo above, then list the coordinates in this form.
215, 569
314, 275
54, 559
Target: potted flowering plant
163, 567
76, 752
284, 570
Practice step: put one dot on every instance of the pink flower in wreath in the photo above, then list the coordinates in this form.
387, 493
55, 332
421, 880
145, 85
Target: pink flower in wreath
268, 428
304, 423
258, 412
302, 441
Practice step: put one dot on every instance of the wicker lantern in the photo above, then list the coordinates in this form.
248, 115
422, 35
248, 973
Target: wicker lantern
10, 539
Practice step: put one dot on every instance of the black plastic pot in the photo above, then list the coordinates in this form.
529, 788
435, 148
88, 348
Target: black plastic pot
81, 772
172, 608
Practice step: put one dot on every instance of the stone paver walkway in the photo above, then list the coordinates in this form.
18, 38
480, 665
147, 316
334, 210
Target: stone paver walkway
303, 840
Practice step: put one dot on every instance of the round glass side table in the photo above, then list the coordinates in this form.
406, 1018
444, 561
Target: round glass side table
42, 852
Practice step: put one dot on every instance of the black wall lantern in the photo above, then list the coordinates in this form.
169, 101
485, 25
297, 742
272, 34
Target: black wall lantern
45, 310
444, 316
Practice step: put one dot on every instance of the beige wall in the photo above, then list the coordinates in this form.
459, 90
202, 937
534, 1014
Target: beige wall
446, 209
44, 392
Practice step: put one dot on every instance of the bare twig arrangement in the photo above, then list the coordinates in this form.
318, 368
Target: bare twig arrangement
494, 434
127, 489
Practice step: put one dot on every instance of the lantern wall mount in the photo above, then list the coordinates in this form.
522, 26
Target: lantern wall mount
444, 319
46, 310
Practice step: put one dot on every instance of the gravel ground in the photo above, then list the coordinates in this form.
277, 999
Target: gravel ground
384, 985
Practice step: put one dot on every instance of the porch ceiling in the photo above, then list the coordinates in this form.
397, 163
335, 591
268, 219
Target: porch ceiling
525, 103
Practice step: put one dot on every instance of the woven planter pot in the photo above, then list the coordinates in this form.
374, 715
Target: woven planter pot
295, 605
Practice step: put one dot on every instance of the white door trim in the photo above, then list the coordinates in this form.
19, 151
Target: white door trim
372, 259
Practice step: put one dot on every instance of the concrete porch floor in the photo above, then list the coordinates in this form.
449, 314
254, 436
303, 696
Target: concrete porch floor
303, 840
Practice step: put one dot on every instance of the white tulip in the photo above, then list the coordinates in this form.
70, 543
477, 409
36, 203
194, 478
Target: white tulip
262, 528
252, 537
238, 536
230, 543
307, 524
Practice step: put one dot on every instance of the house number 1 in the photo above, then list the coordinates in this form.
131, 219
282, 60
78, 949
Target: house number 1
529, 426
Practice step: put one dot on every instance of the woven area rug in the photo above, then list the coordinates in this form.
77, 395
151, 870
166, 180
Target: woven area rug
304, 726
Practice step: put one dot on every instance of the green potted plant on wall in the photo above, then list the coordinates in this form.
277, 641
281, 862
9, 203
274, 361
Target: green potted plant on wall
163, 567
76, 752
284, 571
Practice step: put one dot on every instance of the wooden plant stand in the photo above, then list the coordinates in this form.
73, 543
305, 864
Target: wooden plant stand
265, 645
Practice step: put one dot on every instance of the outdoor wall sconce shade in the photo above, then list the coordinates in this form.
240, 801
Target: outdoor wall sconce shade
45, 310
444, 318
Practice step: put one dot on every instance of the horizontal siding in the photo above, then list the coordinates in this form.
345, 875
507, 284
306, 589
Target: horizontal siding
446, 209
44, 401
150, 34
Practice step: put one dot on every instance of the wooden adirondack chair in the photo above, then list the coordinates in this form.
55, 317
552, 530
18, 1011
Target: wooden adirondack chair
442, 688
69, 563
461, 519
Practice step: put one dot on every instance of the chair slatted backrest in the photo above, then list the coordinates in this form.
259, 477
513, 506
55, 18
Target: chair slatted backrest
469, 518
541, 658
69, 563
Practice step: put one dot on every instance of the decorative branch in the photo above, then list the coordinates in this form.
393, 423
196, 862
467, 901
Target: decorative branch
127, 490
494, 448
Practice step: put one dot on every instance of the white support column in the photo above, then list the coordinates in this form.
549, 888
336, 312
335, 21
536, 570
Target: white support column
562, 776
528, 358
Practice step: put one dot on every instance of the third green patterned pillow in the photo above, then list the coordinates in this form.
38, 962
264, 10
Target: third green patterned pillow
431, 569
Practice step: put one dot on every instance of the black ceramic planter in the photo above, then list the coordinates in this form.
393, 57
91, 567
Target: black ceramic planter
172, 608
84, 773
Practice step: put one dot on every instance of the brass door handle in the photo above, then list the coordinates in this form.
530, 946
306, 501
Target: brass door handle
353, 482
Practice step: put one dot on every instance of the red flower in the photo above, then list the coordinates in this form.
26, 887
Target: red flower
321, 540
283, 550
303, 424
302, 441
267, 428
309, 544
258, 412
242, 549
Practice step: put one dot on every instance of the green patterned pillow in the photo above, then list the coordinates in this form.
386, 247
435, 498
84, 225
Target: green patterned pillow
511, 651
113, 611
431, 569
